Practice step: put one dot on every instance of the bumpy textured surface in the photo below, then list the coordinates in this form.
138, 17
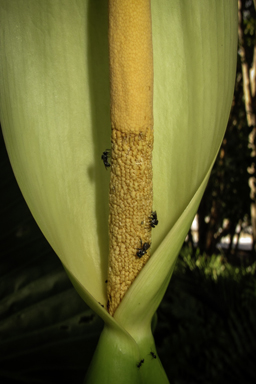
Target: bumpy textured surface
131, 191
130, 201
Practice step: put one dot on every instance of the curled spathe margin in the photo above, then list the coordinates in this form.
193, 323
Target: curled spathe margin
144, 296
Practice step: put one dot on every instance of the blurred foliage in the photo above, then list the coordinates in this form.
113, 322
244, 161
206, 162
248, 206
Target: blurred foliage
207, 322
250, 24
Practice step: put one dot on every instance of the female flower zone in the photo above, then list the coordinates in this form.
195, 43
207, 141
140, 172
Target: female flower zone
80, 77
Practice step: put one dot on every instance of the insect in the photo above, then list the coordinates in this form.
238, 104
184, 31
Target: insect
140, 363
153, 355
153, 220
143, 249
104, 157
101, 304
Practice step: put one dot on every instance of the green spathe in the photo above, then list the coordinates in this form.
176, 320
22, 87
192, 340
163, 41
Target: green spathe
54, 84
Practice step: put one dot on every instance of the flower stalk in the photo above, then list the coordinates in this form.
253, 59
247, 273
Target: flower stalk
131, 187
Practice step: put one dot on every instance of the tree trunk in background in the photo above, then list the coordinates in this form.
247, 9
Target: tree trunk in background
249, 86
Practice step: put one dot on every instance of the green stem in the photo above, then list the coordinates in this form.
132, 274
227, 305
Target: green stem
118, 359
